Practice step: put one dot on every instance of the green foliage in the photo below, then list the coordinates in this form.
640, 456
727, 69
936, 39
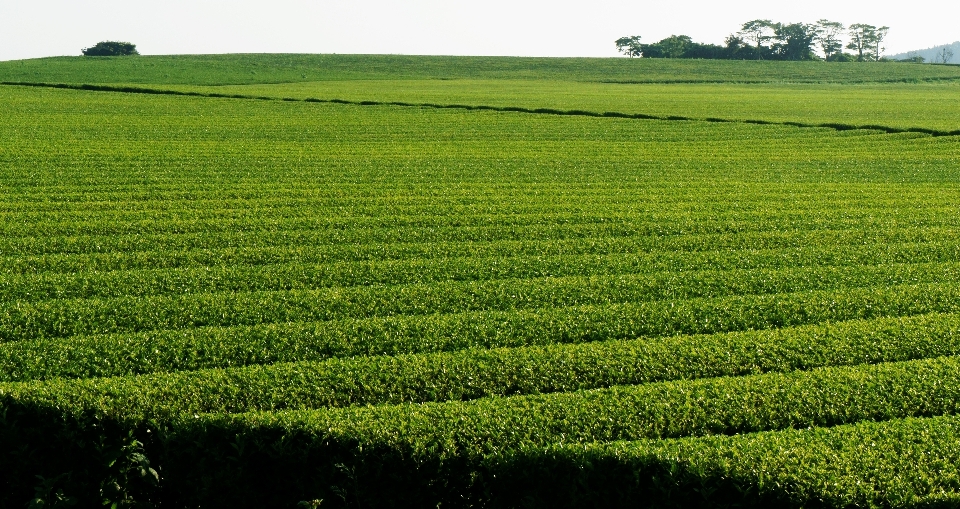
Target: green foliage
866, 40
827, 36
794, 41
127, 467
293, 68
478, 372
630, 46
900, 105
753, 470
252, 302
816, 398
110, 49
209, 347
757, 32
69, 317
675, 46
789, 41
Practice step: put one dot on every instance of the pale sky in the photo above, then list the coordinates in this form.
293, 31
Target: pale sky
38, 28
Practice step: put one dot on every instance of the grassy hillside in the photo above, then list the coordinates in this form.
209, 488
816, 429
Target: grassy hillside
251, 69
230, 302
930, 106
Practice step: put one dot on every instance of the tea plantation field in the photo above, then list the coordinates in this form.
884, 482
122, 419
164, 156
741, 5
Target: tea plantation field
253, 69
930, 107
478, 297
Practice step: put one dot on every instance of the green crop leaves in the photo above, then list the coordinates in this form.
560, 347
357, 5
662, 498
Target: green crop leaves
221, 301
476, 373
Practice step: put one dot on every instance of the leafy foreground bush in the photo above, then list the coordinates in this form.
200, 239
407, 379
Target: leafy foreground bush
110, 49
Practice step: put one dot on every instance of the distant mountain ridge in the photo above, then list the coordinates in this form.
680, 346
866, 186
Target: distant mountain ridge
930, 54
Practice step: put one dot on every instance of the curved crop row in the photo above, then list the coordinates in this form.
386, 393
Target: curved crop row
424, 229
62, 318
912, 462
284, 239
299, 276
363, 200
476, 373
187, 217
820, 397
216, 347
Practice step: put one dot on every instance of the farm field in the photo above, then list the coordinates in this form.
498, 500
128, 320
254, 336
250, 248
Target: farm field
893, 95
238, 302
899, 106
252, 69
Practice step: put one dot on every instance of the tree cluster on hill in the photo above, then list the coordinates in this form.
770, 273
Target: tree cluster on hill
110, 49
762, 39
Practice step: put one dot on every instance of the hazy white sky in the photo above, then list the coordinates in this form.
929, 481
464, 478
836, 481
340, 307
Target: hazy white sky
37, 28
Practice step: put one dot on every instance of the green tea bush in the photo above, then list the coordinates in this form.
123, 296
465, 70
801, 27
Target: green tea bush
69, 317
210, 347
455, 437
242, 298
475, 373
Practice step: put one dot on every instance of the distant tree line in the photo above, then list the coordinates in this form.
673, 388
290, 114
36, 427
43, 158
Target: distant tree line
762, 39
936, 54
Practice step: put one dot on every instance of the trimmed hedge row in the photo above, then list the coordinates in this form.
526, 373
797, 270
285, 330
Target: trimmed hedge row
388, 227
695, 219
170, 200
250, 238
306, 275
912, 462
278, 454
63, 318
488, 210
729, 234
820, 397
476, 373
212, 347
872, 247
